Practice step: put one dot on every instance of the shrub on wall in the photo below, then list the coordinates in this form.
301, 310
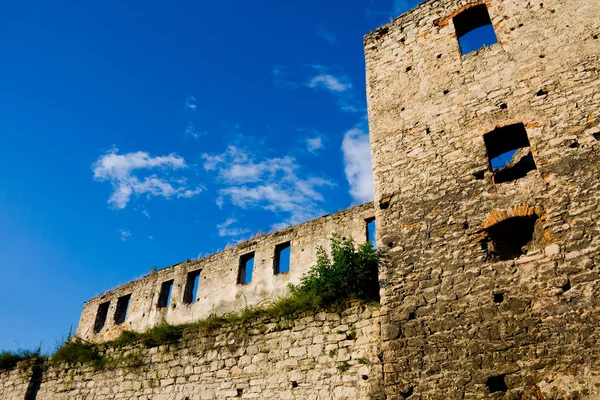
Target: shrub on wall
9, 359
350, 273
76, 351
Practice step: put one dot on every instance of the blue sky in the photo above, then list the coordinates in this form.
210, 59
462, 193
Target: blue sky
138, 134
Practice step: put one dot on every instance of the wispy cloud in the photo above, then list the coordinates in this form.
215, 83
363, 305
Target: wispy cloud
190, 103
338, 85
123, 172
124, 234
329, 82
314, 144
357, 164
226, 230
190, 131
250, 180
143, 210
396, 8
281, 78
324, 33
401, 6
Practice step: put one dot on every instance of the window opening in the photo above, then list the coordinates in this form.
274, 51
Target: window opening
509, 239
282, 258
121, 311
496, 384
509, 153
371, 231
245, 268
164, 297
101, 316
498, 297
474, 29
191, 287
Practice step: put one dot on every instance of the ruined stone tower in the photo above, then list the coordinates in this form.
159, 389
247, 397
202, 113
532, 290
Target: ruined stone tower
492, 278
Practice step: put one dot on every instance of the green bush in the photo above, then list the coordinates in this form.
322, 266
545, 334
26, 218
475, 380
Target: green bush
76, 351
162, 334
350, 273
10, 359
126, 338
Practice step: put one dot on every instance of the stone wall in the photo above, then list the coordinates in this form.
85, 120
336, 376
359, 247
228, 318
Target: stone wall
15, 383
321, 356
218, 290
490, 286
460, 319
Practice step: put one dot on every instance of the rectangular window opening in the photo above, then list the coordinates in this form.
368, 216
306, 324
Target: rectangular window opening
164, 297
191, 287
474, 29
121, 311
245, 268
370, 223
509, 153
282, 258
101, 316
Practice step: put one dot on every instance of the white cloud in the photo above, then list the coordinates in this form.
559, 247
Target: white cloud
399, 7
281, 78
330, 83
357, 161
143, 210
150, 237
123, 170
324, 33
314, 144
273, 184
191, 131
190, 103
339, 86
225, 229
124, 234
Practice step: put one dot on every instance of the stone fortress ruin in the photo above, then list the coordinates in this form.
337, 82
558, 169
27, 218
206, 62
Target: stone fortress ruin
242, 276
490, 287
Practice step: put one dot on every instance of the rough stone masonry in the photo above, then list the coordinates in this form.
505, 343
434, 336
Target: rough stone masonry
490, 278
493, 284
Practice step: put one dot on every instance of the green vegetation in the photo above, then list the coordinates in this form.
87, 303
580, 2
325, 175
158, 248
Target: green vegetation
349, 274
363, 360
352, 334
9, 359
343, 366
77, 351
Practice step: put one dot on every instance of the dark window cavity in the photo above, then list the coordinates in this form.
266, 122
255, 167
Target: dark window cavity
498, 297
509, 153
496, 384
507, 239
191, 287
371, 231
245, 268
101, 316
474, 29
282, 258
164, 297
121, 311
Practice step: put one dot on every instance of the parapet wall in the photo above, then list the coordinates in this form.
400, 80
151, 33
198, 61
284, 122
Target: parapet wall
218, 290
321, 356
